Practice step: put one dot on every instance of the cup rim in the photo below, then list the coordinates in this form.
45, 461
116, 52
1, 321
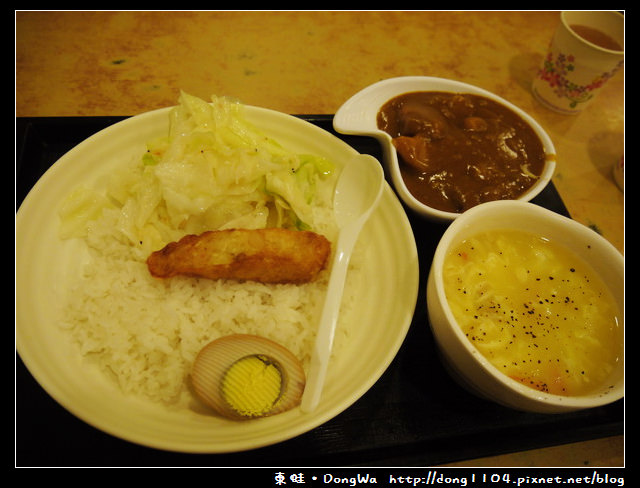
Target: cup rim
565, 22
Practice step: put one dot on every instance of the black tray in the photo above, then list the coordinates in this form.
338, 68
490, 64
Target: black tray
415, 415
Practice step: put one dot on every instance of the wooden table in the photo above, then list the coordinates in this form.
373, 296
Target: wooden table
123, 63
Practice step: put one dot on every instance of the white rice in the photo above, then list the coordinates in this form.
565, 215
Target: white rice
145, 333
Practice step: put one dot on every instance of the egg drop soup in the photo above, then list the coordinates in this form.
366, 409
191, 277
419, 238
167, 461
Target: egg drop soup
535, 310
459, 150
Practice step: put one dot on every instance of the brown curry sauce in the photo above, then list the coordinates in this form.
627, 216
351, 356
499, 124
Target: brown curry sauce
459, 150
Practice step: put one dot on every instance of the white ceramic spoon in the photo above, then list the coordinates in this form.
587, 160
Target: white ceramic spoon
357, 193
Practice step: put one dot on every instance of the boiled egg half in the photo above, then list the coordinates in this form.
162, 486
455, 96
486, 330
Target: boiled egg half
244, 376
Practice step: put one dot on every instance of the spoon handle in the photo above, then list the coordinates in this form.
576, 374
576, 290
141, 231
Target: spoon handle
328, 322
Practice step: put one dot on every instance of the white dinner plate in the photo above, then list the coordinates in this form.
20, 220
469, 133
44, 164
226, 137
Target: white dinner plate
45, 265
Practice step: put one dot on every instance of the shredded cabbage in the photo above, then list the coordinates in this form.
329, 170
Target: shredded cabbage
213, 170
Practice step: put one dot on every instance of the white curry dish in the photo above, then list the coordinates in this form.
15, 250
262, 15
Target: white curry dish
552, 336
48, 267
359, 116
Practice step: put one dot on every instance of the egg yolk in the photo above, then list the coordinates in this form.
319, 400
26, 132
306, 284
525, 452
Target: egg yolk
252, 386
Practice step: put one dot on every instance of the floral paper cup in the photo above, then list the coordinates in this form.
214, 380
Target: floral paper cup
586, 51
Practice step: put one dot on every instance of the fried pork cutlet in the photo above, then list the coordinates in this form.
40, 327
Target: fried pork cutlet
272, 255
